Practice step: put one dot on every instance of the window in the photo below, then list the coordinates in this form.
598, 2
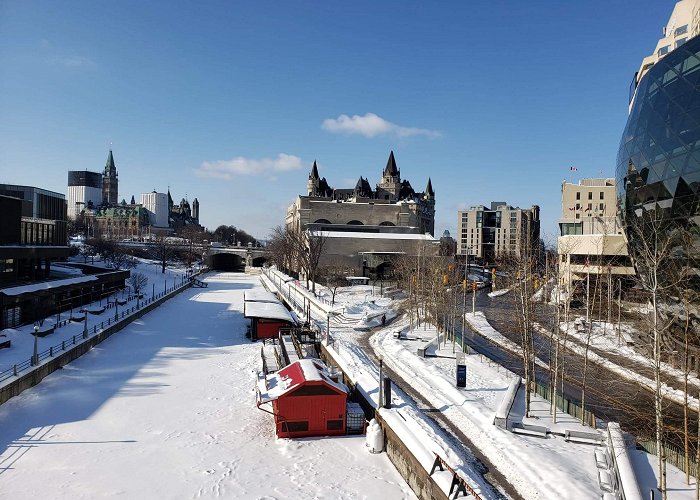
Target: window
295, 426
602, 206
602, 195
578, 206
590, 207
590, 195
578, 216
680, 41
664, 50
681, 30
334, 425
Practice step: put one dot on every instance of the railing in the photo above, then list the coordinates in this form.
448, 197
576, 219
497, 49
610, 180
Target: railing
674, 455
18, 368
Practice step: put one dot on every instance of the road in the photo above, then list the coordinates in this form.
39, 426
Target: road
609, 395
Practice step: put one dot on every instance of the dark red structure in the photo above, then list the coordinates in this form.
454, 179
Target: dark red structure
267, 318
305, 400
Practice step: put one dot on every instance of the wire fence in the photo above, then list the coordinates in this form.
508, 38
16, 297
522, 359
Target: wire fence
88, 331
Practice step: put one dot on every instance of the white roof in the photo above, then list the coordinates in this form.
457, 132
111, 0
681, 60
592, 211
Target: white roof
46, 285
374, 236
267, 310
258, 295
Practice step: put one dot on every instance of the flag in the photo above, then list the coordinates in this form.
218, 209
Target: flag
573, 168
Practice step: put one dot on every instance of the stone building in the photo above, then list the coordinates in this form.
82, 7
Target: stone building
365, 228
110, 183
394, 203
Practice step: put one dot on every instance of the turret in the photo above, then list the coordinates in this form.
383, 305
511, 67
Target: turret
313, 184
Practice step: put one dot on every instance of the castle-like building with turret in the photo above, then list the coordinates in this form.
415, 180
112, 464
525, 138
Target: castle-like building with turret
393, 203
364, 227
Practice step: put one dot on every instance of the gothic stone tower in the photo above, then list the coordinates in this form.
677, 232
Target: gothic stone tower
390, 185
195, 210
110, 182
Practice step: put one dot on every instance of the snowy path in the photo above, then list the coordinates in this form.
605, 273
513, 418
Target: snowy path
165, 409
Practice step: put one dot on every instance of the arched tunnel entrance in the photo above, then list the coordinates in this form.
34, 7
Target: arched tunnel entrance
227, 262
259, 261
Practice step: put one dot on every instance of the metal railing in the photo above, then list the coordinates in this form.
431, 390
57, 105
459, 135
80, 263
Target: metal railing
91, 331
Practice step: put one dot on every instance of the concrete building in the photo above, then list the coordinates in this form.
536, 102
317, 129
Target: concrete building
365, 228
84, 191
591, 239
683, 25
485, 233
157, 206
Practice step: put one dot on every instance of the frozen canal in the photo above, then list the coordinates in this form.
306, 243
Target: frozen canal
165, 409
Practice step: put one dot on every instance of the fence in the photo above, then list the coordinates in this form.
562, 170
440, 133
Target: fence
564, 404
674, 455
88, 331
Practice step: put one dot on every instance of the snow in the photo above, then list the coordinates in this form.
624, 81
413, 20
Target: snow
375, 236
166, 409
535, 467
500, 292
46, 285
258, 295
267, 310
22, 337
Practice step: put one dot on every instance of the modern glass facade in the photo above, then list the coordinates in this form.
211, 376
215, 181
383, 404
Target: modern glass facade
658, 163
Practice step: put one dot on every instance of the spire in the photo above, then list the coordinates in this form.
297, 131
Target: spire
133, 200
109, 166
314, 171
391, 170
429, 189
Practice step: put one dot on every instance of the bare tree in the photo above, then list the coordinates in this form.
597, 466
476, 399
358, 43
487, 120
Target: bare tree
119, 258
137, 282
333, 273
653, 238
162, 250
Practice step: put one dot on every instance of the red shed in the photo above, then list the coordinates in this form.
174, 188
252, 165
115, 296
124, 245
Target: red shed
267, 318
305, 400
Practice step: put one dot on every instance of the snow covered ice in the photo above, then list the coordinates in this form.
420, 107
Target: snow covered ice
166, 409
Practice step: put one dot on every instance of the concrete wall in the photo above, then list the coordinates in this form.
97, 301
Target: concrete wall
405, 462
33, 377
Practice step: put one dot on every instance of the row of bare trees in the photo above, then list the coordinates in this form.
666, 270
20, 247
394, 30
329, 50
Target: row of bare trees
297, 252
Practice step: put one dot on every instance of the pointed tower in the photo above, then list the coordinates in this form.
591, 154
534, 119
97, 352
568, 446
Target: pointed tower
390, 185
313, 184
133, 200
170, 202
195, 210
429, 193
110, 182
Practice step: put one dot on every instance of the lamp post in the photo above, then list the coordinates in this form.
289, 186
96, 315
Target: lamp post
379, 398
35, 356
85, 326
116, 310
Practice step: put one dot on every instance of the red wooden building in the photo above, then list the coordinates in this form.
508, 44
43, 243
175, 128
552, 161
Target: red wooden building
305, 400
267, 315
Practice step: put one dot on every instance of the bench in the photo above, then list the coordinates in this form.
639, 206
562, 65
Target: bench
602, 461
529, 429
5, 344
506, 404
583, 437
44, 331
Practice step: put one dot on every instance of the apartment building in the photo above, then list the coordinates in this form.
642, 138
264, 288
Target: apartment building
484, 233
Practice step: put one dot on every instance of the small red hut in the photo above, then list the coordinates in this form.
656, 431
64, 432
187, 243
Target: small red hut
305, 400
267, 318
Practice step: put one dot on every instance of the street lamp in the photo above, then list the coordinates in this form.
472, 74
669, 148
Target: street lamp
85, 325
35, 356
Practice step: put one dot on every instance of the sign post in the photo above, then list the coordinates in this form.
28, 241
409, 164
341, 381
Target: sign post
461, 370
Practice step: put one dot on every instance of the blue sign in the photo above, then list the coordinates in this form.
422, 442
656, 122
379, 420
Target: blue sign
461, 375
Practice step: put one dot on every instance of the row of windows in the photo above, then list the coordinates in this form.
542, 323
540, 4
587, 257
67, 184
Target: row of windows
42, 233
590, 195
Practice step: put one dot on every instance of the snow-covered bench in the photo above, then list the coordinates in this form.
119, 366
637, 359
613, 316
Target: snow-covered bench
506, 404
529, 429
583, 437
45, 330
602, 460
607, 481
5, 344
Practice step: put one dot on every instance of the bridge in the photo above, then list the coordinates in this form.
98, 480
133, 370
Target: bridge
235, 258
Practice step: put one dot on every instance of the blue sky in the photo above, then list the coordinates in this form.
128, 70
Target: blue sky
231, 102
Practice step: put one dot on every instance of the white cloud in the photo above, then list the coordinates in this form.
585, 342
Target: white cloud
227, 169
371, 125
60, 57
72, 61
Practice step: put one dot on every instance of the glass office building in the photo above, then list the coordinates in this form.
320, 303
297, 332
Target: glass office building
658, 163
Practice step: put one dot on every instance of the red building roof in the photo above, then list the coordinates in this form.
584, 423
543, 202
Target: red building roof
291, 377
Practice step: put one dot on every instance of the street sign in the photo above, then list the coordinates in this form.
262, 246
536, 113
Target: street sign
461, 370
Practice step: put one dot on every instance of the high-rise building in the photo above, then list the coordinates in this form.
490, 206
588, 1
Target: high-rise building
157, 206
683, 25
658, 162
591, 240
84, 191
110, 191
485, 233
